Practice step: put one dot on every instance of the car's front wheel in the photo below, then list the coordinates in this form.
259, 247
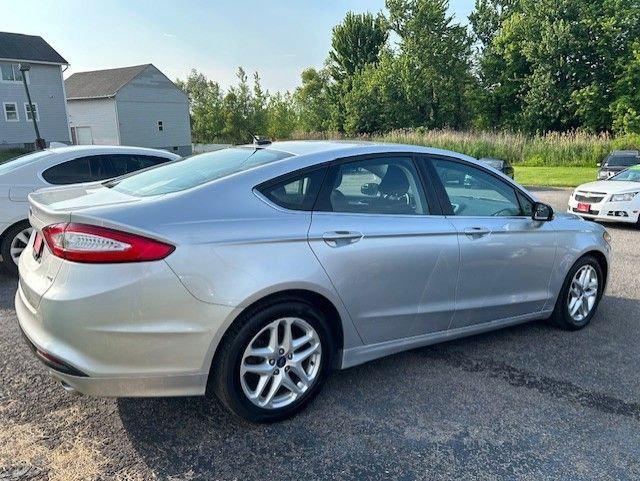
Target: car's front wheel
273, 361
580, 294
14, 241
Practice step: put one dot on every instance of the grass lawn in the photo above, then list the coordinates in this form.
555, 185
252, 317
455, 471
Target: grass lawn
555, 176
10, 154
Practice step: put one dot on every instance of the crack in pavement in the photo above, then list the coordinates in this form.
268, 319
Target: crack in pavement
546, 385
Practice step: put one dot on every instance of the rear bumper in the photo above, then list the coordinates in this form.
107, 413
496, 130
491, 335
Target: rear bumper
132, 330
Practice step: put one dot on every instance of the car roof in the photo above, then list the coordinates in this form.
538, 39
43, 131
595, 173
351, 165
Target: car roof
353, 147
107, 149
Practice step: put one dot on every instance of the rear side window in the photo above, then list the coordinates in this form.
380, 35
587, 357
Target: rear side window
70, 172
297, 193
194, 171
125, 164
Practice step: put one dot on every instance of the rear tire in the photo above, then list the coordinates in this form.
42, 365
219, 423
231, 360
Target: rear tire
232, 373
12, 240
580, 295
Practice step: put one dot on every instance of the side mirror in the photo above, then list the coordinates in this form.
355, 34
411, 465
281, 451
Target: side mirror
542, 212
599, 164
370, 189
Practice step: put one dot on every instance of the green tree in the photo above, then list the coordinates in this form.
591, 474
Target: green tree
282, 119
435, 55
205, 98
312, 101
356, 42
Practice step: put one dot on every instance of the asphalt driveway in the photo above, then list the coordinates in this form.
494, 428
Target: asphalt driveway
530, 402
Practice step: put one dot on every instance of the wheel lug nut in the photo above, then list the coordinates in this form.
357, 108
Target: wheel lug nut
281, 351
290, 356
272, 361
286, 369
276, 372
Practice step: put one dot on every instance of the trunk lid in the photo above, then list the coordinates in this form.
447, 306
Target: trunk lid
38, 270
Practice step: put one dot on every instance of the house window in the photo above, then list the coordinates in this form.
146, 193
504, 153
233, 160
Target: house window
160, 126
27, 111
10, 72
10, 111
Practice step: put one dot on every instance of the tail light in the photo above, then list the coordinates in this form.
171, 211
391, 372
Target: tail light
93, 244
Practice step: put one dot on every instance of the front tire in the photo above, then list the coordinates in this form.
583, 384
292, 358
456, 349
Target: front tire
14, 241
273, 361
580, 295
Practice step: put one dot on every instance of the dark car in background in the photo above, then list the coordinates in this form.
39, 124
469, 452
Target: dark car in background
502, 165
617, 161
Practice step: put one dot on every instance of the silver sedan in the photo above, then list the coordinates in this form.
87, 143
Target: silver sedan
254, 271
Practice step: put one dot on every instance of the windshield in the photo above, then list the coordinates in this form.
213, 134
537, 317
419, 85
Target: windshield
622, 160
193, 171
21, 160
629, 175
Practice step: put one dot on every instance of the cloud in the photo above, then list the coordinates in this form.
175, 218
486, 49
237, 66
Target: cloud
169, 35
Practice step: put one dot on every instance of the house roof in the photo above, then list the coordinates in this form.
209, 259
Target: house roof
32, 48
101, 83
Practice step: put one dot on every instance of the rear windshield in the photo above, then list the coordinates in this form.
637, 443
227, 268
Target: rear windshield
623, 160
14, 163
193, 171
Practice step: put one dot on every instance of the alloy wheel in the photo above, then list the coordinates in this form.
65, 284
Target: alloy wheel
19, 243
281, 363
583, 293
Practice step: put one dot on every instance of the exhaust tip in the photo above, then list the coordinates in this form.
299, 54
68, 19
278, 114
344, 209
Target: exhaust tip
70, 389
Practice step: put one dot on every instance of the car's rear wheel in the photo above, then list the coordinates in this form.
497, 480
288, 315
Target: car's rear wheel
273, 361
14, 241
580, 294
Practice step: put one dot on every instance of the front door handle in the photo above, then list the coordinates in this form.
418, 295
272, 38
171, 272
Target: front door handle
475, 232
341, 237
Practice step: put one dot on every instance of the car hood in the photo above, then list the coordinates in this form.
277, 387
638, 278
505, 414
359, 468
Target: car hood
610, 187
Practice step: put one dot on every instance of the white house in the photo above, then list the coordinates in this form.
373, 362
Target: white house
136, 106
46, 88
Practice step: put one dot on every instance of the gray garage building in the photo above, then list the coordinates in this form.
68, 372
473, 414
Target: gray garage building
136, 106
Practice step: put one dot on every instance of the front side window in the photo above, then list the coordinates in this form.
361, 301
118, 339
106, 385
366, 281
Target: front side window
11, 112
385, 185
476, 193
194, 171
10, 72
298, 193
29, 114
71, 172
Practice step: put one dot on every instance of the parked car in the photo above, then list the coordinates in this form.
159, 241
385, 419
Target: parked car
256, 270
617, 161
58, 166
616, 199
503, 166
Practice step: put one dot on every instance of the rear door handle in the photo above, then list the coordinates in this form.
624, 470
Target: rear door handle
341, 237
475, 232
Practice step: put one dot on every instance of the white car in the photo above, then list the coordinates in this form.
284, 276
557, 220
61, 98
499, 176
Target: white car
59, 166
616, 199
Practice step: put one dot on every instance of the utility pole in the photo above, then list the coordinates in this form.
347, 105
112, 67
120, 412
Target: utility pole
40, 143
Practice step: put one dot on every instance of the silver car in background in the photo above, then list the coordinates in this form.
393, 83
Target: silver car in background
256, 270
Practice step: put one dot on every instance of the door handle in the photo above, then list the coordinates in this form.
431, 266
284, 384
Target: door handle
475, 232
341, 237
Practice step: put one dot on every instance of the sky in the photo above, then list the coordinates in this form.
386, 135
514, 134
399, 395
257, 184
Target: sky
277, 38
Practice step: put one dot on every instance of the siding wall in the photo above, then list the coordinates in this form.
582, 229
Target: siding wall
47, 91
100, 115
151, 97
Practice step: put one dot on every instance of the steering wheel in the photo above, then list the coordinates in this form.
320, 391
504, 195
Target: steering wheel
506, 210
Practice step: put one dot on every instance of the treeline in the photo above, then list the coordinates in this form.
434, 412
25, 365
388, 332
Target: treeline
524, 66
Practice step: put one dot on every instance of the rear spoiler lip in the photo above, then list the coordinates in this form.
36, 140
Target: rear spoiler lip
40, 216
